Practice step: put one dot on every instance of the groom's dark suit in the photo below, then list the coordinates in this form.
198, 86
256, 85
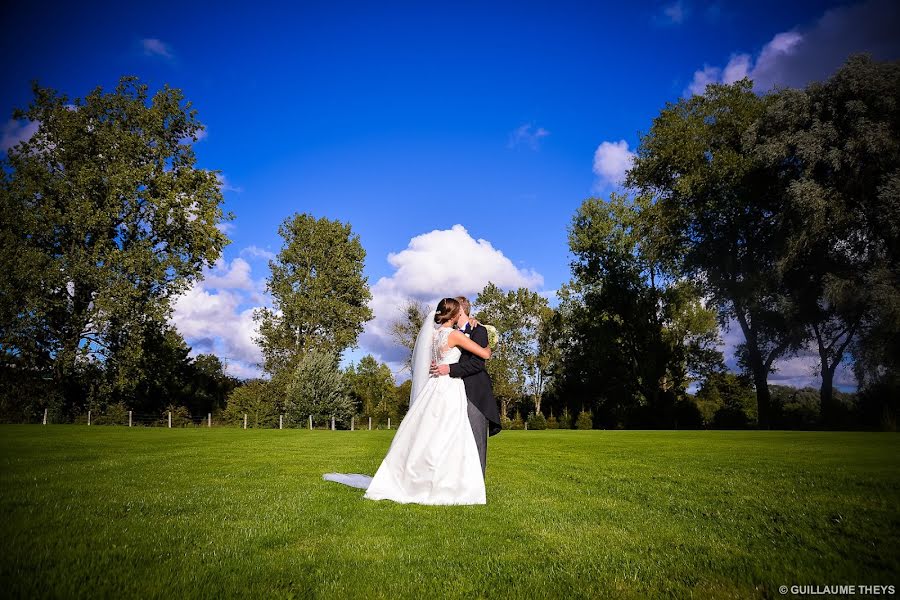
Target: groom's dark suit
478, 390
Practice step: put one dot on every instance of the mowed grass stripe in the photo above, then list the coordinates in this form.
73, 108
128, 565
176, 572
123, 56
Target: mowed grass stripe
147, 512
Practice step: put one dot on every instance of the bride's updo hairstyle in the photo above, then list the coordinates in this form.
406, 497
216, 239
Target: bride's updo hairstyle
447, 310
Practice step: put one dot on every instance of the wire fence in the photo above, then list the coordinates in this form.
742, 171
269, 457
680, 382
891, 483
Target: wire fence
180, 419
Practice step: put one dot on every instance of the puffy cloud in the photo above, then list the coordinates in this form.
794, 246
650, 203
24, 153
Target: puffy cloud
233, 276
611, 161
434, 265
16, 131
216, 316
528, 135
257, 252
796, 57
156, 47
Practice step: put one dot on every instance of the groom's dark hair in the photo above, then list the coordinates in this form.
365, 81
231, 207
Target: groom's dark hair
464, 304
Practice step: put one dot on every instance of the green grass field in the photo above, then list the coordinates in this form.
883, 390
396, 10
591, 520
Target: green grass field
118, 512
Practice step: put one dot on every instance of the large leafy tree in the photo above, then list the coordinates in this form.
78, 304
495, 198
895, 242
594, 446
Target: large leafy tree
371, 384
104, 216
715, 213
320, 293
630, 340
517, 368
836, 145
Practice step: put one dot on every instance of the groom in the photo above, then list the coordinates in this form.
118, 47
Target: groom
483, 415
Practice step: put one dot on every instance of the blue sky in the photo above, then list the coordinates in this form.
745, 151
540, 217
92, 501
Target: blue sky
406, 120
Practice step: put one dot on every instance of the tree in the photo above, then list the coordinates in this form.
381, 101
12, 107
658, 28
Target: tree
732, 398
317, 388
320, 296
405, 329
835, 145
630, 341
258, 400
372, 385
103, 218
712, 216
209, 385
516, 366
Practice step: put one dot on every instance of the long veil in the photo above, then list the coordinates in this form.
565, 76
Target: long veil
421, 365
422, 357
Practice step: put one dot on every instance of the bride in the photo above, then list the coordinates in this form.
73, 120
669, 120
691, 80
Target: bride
433, 458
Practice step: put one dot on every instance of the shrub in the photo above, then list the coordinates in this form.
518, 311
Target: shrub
256, 399
181, 417
565, 419
537, 421
317, 388
584, 421
517, 422
115, 414
552, 423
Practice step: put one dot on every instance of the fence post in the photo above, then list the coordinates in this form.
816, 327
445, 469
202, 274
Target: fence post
129, 418
89, 417
245, 420
526, 425
45, 416
170, 419
370, 423
351, 423
332, 422
209, 419
389, 422
310, 422
280, 421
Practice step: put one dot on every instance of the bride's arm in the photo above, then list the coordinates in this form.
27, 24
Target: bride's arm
458, 339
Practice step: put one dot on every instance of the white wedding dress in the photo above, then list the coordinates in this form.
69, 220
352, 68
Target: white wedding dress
433, 458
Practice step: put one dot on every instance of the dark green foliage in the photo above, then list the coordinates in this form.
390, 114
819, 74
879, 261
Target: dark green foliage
115, 414
181, 416
520, 364
731, 400
104, 217
552, 422
515, 423
320, 296
259, 400
371, 385
629, 342
537, 421
585, 420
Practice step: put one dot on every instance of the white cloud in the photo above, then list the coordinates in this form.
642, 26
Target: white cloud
16, 131
528, 135
257, 252
156, 47
794, 58
674, 14
230, 277
611, 162
226, 185
434, 265
216, 315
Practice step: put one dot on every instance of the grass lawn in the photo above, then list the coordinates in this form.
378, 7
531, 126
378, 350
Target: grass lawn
152, 512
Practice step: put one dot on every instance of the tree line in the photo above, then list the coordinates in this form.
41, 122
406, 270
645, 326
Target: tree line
775, 214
